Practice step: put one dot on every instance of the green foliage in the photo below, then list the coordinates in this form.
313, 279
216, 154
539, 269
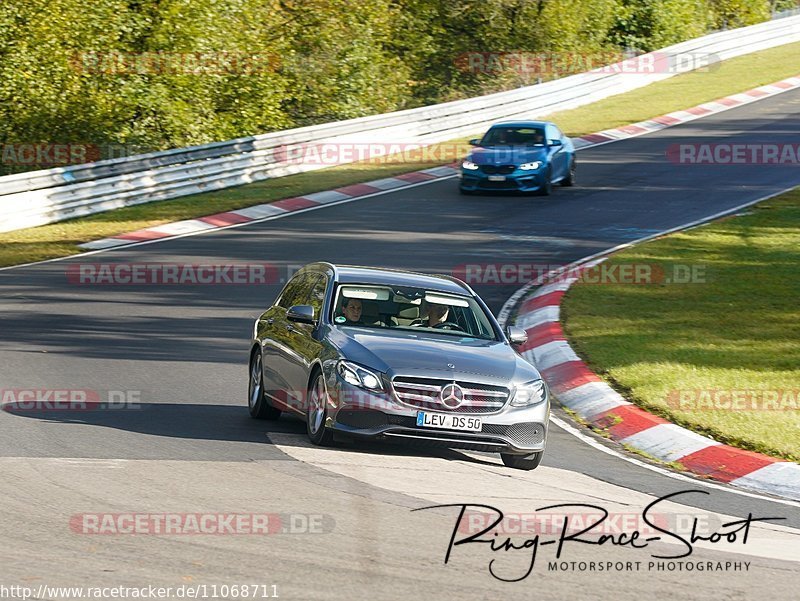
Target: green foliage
781, 5
728, 14
114, 73
651, 24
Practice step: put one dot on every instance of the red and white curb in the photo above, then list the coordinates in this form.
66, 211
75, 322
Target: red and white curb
281, 207
584, 392
677, 117
290, 205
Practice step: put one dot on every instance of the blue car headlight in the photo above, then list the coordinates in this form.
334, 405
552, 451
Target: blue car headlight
469, 165
530, 393
530, 166
359, 376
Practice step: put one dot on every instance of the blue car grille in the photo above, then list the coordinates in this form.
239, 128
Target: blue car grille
510, 184
498, 169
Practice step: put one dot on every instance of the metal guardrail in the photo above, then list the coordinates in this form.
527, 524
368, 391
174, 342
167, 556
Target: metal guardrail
46, 196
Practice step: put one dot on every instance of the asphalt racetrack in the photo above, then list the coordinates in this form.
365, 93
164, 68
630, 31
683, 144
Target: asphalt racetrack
180, 351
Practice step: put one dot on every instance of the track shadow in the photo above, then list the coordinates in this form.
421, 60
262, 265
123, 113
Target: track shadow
228, 423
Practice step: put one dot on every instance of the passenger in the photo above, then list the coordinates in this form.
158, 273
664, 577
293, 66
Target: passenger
351, 308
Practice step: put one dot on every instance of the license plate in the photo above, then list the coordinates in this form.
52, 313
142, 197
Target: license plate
426, 419
497, 178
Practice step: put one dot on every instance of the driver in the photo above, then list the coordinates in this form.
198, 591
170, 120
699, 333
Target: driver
436, 314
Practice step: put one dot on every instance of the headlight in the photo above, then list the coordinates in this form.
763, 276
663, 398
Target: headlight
469, 165
358, 376
530, 166
531, 393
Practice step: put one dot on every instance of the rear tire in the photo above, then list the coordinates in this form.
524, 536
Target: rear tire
317, 413
256, 400
522, 462
464, 192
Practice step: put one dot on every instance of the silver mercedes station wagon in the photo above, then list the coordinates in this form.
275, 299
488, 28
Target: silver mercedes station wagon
380, 353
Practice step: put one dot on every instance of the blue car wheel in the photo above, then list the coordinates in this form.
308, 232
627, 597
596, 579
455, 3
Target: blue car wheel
547, 187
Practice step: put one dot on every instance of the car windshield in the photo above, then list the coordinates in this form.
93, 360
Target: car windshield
513, 136
412, 309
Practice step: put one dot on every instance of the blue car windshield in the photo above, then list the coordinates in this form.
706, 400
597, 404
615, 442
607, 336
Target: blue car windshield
513, 136
413, 309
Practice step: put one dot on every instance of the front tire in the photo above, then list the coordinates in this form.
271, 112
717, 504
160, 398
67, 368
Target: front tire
570, 180
257, 403
522, 462
547, 188
317, 413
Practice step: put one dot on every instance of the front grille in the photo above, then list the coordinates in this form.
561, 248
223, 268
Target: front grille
498, 169
362, 419
424, 393
510, 184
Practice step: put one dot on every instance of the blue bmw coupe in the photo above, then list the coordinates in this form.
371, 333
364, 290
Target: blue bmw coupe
520, 156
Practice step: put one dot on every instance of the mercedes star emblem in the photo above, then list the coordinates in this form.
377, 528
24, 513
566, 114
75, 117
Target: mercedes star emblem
452, 395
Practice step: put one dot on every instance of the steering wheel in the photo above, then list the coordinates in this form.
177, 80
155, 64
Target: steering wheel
448, 325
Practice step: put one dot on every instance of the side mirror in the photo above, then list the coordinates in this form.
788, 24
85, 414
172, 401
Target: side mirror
475, 142
516, 335
556, 143
301, 314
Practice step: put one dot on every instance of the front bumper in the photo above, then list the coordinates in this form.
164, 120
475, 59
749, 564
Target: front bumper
516, 181
515, 430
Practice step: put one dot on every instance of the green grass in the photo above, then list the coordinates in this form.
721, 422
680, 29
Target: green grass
683, 91
737, 329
